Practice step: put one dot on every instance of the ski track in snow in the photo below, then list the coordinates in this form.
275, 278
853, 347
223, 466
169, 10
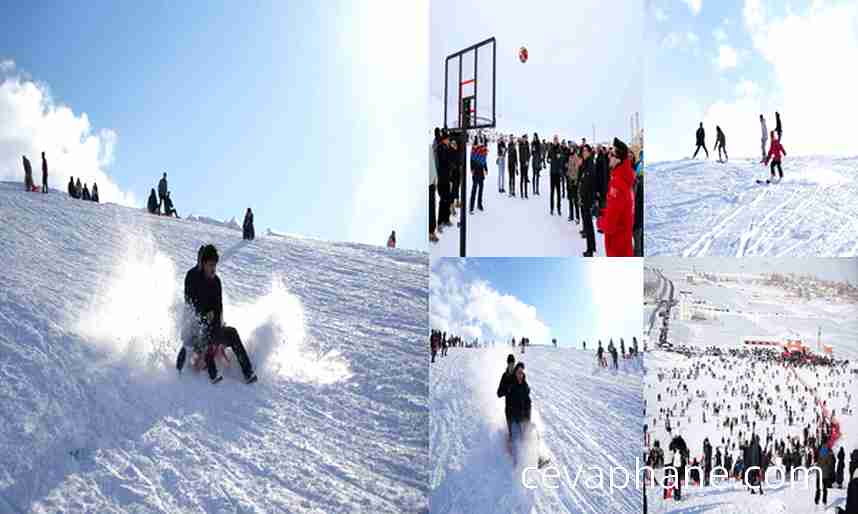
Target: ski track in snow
697, 208
587, 416
756, 310
95, 418
512, 227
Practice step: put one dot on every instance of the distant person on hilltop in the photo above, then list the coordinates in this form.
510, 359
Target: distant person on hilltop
72, 188
169, 210
764, 137
79, 188
85, 194
248, 231
162, 190
152, 204
776, 153
721, 143
391, 241
95, 192
28, 175
44, 173
701, 141
778, 127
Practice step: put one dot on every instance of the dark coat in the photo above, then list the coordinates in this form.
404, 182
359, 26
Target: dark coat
204, 295
506, 382
701, 136
524, 153
518, 396
152, 204
586, 182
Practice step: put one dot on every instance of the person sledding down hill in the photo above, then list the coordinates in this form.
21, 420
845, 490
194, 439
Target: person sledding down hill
206, 335
516, 392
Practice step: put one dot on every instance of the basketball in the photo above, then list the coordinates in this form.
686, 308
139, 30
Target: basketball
522, 54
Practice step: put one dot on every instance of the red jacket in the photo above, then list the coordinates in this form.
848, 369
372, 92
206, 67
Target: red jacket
618, 216
775, 151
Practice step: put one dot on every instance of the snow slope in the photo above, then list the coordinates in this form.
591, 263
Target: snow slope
698, 207
95, 418
512, 227
588, 417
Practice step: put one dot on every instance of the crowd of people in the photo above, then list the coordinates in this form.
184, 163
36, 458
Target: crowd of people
605, 183
82, 192
751, 407
161, 204
602, 359
772, 157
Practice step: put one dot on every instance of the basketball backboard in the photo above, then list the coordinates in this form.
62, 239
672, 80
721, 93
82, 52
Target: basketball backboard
469, 87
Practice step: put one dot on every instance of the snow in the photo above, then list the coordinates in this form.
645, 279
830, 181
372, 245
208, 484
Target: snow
762, 310
96, 419
230, 223
587, 416
702, 207
513, 227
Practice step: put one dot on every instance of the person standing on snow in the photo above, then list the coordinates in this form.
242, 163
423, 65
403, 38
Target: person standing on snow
556, 157
586, 189
518, 398
764, 137
249, 233
28, 175
95, 192
203, 293
44, 173
680, 460
391, 240
506, 381
501, 162
478, 175
162, 190
433, 185
778, 127
524, 160
573, 163
824, 479
701, 141
721, 143
538, 159
776, 152
512, 160
72, 188
617, 219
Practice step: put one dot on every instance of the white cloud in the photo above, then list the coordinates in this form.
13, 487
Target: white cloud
475, 309
727, 57
31, 122
720, 34
694, 6
680, 39
659, 14
753, 14
747, 88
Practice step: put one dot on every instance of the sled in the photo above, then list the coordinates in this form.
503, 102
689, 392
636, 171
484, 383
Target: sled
217, 351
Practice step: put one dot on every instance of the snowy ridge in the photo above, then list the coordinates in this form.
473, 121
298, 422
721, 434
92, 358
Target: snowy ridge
587, 416
696, 208
230, 223
95, 418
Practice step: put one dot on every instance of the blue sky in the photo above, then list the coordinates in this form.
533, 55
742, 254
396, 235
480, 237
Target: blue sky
727, 62
581, 70
290, 108
542, 298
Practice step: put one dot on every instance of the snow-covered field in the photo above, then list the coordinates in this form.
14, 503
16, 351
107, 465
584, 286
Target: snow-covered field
757, 310
96, 419
588, 416
512, 227
698, 207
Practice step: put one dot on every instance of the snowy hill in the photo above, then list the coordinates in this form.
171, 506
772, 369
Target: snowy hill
697, 208
588, 417
96, 419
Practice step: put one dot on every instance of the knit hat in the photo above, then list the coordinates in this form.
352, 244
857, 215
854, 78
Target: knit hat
510, 359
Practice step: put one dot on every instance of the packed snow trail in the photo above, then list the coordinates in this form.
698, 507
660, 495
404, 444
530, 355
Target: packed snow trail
699, 207
512, 227
588, 417
96, 419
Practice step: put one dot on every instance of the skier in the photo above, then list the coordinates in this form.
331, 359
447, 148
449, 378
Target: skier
248, 232
203, 294
162, 190
617, 219
778, 127
501, 162
506, 380
721, 143
776, 152
764, 137
391, 240
538, 159
701, 141
151, 205
524, 160
512, 160
44, 173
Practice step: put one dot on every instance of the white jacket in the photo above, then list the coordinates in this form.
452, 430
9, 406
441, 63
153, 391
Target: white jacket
433, 166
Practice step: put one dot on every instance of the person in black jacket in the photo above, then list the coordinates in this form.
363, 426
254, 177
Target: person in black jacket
152, 204
203, 294
445, 193
701, 141
851, 496
512, 162
45, 172
95, 192
637, 228
778, 127
707, 461
721, 143
169, 210
506, 380
524, 160
555, 157
73, 189
247, 226
518, 396
677, 444
28, 175
538, 159
587, 193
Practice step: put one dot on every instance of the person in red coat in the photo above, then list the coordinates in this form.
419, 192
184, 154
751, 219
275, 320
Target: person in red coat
776, 152
617, 218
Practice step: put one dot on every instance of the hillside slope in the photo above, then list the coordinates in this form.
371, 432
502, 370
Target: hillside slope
96, 419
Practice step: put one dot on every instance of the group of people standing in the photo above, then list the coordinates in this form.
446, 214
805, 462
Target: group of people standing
155, 204
29, 185
605, 183
773, 156
82, 192
601, 359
